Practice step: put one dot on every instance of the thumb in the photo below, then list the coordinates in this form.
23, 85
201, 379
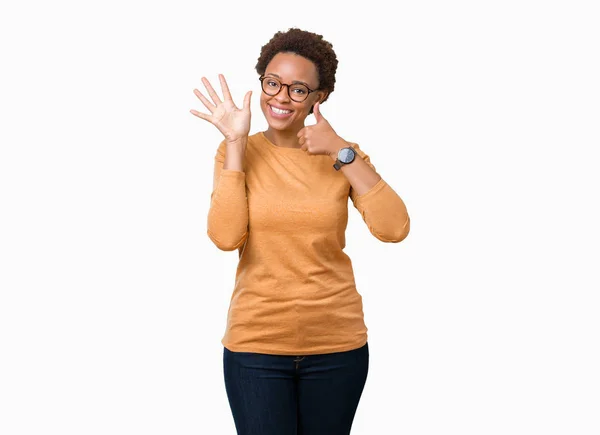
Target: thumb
247, 100
317, 112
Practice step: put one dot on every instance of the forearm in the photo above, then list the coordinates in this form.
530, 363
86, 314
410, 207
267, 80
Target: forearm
228, 213
360, 175
384, 212
381, 207
235, 155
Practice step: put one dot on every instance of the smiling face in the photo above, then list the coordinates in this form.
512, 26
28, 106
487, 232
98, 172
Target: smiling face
283, 113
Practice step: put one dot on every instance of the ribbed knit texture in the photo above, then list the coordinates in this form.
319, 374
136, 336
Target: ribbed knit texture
286, 214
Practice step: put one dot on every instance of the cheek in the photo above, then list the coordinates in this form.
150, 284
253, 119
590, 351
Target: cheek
303, 109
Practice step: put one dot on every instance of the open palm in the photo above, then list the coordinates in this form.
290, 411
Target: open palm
232, 121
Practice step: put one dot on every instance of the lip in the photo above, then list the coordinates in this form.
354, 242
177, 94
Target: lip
279, 115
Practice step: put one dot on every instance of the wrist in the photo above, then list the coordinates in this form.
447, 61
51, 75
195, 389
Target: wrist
237, 142
235, 151
234, 160
341, 143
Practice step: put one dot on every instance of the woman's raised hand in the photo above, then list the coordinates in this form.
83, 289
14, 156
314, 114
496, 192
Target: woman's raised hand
233, 122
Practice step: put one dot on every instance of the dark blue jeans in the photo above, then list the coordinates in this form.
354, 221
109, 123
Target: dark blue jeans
295, 395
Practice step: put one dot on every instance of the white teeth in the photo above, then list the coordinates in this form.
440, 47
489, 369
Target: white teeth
279, 111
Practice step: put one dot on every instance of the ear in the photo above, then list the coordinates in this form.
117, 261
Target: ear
322, 96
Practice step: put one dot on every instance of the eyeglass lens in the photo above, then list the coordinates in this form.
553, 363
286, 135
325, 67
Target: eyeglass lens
297, 92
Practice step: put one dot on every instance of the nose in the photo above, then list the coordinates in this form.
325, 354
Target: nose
283, 96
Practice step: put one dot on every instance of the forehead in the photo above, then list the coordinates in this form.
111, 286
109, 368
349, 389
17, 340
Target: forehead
290, 67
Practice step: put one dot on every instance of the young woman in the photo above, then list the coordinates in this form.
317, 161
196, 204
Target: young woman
295, 347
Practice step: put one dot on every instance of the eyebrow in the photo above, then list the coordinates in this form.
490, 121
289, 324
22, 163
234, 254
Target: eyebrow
293, 82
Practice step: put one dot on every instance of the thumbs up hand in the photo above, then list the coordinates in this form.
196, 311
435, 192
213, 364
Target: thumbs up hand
320, 138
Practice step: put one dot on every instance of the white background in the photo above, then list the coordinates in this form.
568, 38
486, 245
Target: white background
483, 116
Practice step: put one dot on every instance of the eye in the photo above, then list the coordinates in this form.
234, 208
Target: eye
272, 83
299, 90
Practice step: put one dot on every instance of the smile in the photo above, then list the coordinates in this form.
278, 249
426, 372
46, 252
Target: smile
279, 113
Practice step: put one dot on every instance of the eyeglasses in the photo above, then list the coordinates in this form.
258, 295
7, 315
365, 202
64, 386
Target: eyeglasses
296, 91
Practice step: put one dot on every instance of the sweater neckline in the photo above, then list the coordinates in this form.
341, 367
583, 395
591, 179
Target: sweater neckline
284, 149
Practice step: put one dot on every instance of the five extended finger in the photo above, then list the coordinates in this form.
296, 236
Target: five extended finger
225, 88
210, 106
247, 100
201, 115
211, 91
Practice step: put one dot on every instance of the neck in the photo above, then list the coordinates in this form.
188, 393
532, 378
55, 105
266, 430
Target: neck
284, 139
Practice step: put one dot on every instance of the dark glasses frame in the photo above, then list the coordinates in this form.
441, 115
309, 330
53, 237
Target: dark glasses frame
263, 77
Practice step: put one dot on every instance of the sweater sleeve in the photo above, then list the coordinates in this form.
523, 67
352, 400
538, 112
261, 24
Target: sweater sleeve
381, 208
228, 213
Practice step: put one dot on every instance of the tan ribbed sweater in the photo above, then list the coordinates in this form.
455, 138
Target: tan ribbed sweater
286, 214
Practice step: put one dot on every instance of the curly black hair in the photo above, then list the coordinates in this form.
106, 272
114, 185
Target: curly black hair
306, 44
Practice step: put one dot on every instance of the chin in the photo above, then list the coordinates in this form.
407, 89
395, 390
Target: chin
278, 124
